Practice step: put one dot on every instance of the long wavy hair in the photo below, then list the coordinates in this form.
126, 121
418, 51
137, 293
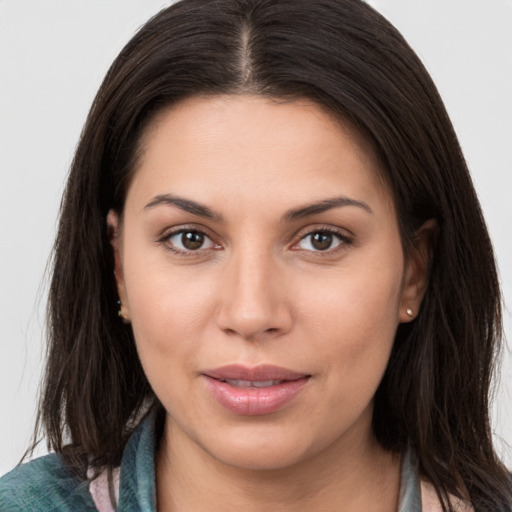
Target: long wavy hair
345, 56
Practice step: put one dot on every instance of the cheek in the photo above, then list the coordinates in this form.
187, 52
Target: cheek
354, 333
358, 300
165, 310
353, 317
169, 318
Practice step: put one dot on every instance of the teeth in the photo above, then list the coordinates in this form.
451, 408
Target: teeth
252, 383
265, 384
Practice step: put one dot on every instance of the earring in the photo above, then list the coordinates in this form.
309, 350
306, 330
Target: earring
122, 313
409, 312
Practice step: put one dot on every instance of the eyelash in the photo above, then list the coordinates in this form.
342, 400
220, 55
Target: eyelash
164, 240
344, 241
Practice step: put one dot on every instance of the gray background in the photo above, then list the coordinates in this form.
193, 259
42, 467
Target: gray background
53, 55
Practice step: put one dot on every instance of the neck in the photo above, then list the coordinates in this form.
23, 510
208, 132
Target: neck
355, 477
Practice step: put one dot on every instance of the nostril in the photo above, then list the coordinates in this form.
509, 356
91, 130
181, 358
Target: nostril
251, 319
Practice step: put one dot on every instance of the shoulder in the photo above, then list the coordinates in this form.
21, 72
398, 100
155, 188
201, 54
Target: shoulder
44, 485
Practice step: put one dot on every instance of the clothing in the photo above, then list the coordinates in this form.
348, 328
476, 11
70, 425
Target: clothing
45, 485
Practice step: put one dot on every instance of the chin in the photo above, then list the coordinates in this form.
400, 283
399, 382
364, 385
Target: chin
258, 459
259, 450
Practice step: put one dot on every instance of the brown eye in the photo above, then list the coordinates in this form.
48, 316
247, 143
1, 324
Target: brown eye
188, 241
192, 240
322, 241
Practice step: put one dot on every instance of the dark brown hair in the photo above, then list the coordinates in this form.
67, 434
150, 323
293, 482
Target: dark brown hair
349, 59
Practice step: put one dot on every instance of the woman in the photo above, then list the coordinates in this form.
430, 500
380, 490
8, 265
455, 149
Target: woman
273, 287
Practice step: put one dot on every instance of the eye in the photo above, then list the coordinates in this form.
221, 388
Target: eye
322, 240
189, 240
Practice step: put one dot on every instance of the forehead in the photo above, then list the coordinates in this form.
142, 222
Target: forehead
250, 145
250, 114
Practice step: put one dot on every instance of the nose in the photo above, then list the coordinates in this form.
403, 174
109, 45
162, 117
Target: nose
254, 303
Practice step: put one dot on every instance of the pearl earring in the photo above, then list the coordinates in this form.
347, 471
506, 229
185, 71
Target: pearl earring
409, 312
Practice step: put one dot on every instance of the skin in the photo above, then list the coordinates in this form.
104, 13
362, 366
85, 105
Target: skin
258, 291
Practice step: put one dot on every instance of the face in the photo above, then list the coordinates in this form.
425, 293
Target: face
260, 263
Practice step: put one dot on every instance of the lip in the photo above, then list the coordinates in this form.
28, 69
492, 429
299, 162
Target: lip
254, 401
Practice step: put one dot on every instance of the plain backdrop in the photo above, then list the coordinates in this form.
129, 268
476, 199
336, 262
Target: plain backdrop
53, 55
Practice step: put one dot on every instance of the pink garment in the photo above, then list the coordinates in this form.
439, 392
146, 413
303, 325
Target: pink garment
99, 491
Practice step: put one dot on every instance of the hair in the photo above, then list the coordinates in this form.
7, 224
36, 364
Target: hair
343, 55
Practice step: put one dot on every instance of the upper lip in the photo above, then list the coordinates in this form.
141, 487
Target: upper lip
262, 373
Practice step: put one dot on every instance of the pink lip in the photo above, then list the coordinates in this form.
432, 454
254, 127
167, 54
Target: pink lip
254, 401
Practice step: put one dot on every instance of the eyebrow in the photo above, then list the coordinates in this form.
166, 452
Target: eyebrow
323, 206
190, 206
186, 205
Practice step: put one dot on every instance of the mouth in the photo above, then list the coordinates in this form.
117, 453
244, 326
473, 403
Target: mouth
264, 373
254, 391
239, 383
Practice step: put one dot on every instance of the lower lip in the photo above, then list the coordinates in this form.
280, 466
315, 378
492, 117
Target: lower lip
255, 401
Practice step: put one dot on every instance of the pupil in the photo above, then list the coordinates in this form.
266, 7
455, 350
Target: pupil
321, 241
192, 240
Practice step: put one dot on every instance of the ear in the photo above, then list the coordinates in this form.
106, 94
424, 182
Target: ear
113, 226
416, 274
